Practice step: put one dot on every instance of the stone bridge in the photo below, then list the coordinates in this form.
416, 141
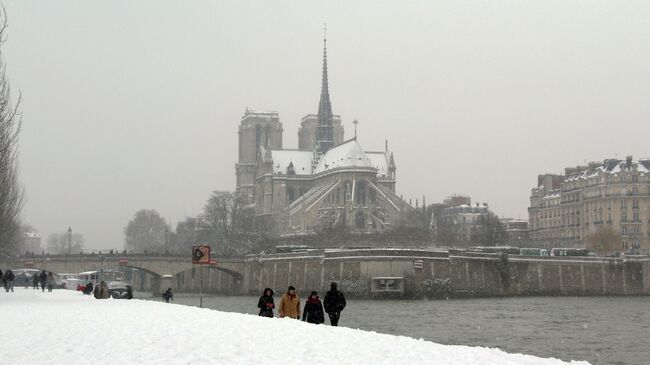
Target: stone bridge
373, 272
163, 270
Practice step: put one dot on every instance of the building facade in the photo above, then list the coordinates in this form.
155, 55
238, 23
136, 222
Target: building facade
565, 209
326, 182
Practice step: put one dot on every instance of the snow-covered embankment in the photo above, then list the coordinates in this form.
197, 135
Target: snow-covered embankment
66, 327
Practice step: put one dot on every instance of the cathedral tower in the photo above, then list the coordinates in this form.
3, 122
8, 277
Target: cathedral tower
255, 130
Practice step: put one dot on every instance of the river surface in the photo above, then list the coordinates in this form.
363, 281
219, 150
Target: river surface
601, 330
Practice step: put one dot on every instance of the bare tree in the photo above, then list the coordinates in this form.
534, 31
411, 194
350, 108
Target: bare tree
11, 192
604, 241
146, 232
59, 243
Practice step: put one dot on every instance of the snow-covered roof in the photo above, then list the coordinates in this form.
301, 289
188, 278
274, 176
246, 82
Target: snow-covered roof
301, 161
380, 161
347, 154
611, 167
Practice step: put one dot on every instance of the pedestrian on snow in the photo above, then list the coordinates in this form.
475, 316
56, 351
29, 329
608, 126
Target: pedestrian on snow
103, 291
129, 292
96, 292
334, 304
88, 289
42, 278
266, 304
313, 311
168, 295
4, 282
290, 304
35, 281
9, 280
49, 281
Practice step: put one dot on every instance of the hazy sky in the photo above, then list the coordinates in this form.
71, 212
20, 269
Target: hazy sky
131, 105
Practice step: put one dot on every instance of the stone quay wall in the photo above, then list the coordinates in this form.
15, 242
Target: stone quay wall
423, 273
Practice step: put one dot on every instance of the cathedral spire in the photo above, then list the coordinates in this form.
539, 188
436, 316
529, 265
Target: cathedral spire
325, 139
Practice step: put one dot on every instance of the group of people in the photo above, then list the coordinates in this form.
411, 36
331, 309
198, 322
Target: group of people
45, 279
313, 311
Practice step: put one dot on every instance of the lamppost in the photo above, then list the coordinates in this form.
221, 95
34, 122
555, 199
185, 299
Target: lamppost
166, 248
69, 238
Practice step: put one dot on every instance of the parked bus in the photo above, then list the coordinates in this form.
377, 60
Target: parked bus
569, 252
495, 249
533, 252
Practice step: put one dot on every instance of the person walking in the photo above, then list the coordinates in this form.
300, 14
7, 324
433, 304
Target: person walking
9, 279
35, 281
313, 311
49, 281
334, 303
4, 282
290, 304
42, 278
168, 295
266, 304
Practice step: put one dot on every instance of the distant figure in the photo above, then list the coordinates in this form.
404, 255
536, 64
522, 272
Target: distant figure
334, 303
265, 304
9, 280
129, 292
313, 311
4, 283
26, 282
49, 280
42, 278
168, 295
103, 291
290, 304
88, 289
35, 281
96, 292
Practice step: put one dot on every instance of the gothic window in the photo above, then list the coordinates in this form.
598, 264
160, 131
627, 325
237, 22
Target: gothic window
360, 220
291, 195
361, 192
258, 138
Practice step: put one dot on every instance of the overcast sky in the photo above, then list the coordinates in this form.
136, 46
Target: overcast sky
131, 105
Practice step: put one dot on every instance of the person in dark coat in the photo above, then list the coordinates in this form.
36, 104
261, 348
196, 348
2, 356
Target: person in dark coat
50, 281
168, 295
334, 304
4, 283
313, 311
129, 292
266, 304
9, 279
42, 278
88, 289
35, 281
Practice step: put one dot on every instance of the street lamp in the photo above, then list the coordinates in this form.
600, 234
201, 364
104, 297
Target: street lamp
166, 248
69, 238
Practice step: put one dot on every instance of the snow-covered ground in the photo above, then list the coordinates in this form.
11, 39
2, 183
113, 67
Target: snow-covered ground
66, 327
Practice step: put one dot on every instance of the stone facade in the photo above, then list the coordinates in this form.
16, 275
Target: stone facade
565, 209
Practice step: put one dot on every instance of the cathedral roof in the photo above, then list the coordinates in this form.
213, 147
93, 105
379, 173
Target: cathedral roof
301, 161
347, 154
379, 160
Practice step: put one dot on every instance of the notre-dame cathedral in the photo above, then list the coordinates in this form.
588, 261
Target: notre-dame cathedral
326, 182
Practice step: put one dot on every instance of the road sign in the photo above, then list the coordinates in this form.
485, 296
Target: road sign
29, 263
201, 255
213, 262
418, 264
124, 260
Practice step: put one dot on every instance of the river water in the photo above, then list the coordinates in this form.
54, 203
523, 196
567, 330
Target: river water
601, 330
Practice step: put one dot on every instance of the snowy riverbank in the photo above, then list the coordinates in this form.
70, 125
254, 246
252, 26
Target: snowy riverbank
66, 327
